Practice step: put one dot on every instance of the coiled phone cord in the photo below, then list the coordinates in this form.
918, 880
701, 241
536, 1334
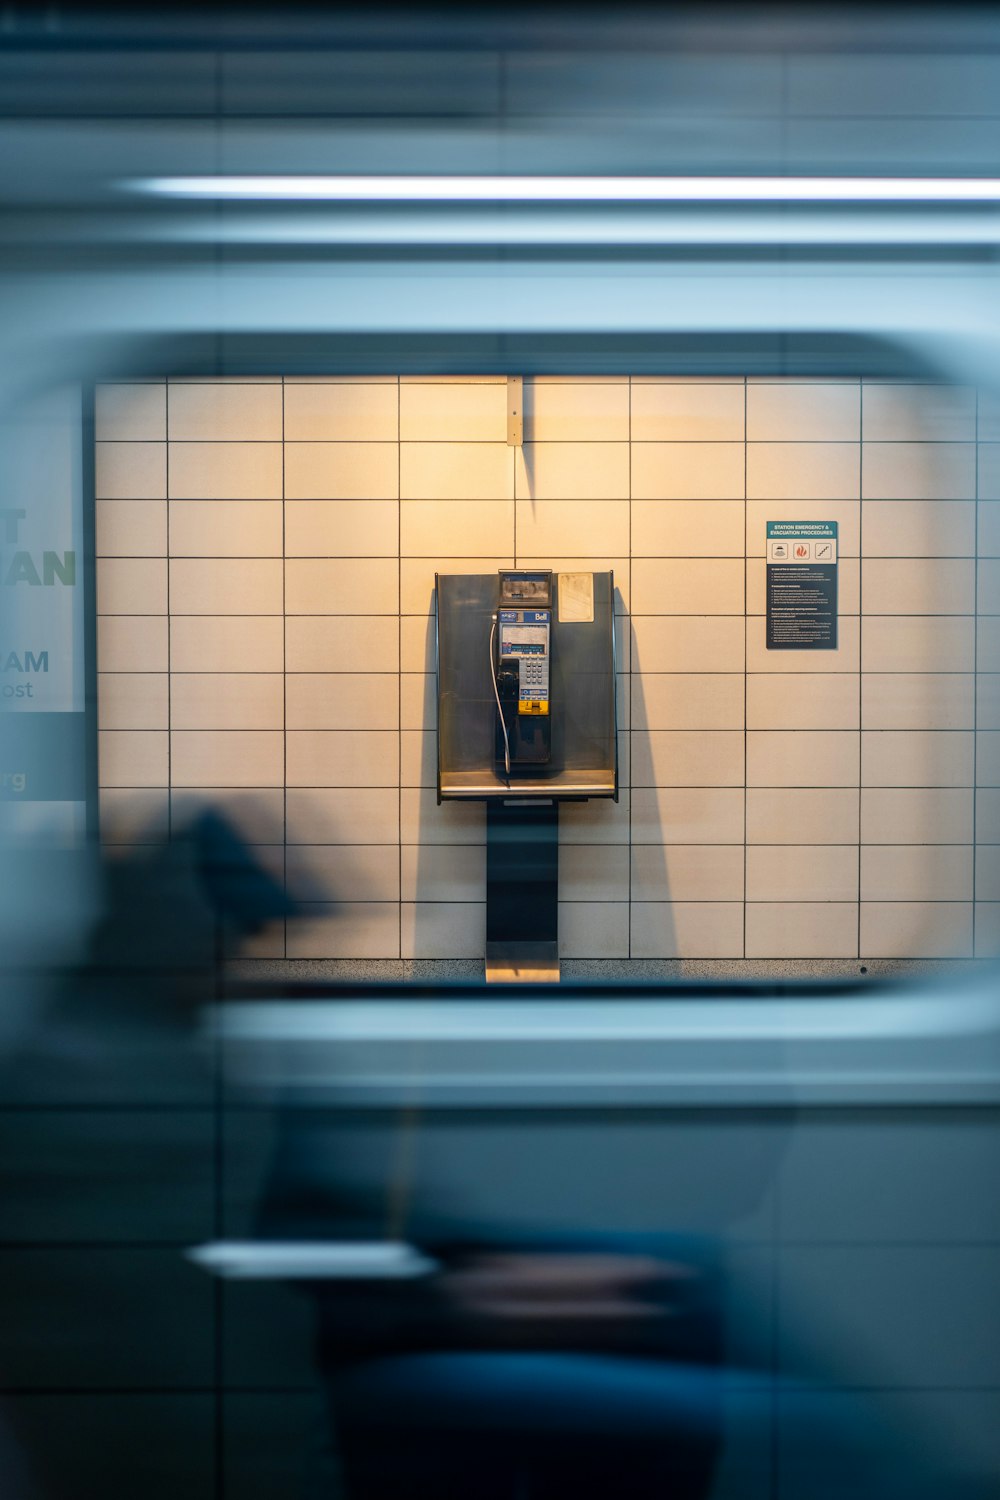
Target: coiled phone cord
496, 694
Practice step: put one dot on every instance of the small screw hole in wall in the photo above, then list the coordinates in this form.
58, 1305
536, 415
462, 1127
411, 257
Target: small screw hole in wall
863, 969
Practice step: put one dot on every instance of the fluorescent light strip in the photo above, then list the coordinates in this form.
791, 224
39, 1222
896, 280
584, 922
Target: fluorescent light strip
422, 189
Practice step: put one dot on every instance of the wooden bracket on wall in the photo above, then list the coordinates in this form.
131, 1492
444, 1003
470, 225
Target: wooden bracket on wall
515, 411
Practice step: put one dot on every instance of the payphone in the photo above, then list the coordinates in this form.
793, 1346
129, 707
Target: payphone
520, 661
526, 720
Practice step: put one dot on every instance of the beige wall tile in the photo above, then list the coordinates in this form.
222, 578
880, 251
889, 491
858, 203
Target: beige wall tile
560, 412
599, 821
919, 471
848, 586
987, 758
342, 700
846, 513
132, 757
418, 757
132, 700
226, 700
130, 471
802, 471
683, 757
341, 643
593, 872
898, 413
988, 535
919, 528
914, 643
237, 643
793, 873
987, 929
844, 659
439, 873
131, 528
416, 576
803, 700
453, 413
913, 757
988, 816
225, 471
330, 872
988, 875
339, 586
417, 700
593, 929
131, 413
342, 413
220, 757
131, 586
803, 412
687, 700
687, 471
350, 929
227, 412
917, 815
416, 643
687, 586
352, 757
987, 600
343, 815
571, 471
908, 872
916, 929
132, 643
225, 586
802, 815
918, 586
987, 703
802, 757
989, 471
341, 471
133, 815
442, 929
341, 758
257, 813
429, 528
688, 528
680, 643
687, 872
695, 412
456, 471
341, 528
687, 815
595, 528
801, 929
988, 644
226, 528
917, 700
422, 821
678, 929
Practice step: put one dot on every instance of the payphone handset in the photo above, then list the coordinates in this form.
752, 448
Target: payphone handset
522, 631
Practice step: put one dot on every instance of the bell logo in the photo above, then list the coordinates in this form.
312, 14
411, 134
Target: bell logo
802, 549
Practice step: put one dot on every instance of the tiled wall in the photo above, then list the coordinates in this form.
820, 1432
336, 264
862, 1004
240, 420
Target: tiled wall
266, 552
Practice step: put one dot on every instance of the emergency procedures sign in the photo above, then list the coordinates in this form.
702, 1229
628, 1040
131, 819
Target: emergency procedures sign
802, 585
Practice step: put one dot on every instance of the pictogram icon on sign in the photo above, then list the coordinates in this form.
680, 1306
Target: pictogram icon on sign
801, 551
824, 551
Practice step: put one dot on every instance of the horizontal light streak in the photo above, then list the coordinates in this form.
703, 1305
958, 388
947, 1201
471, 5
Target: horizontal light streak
419, 188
